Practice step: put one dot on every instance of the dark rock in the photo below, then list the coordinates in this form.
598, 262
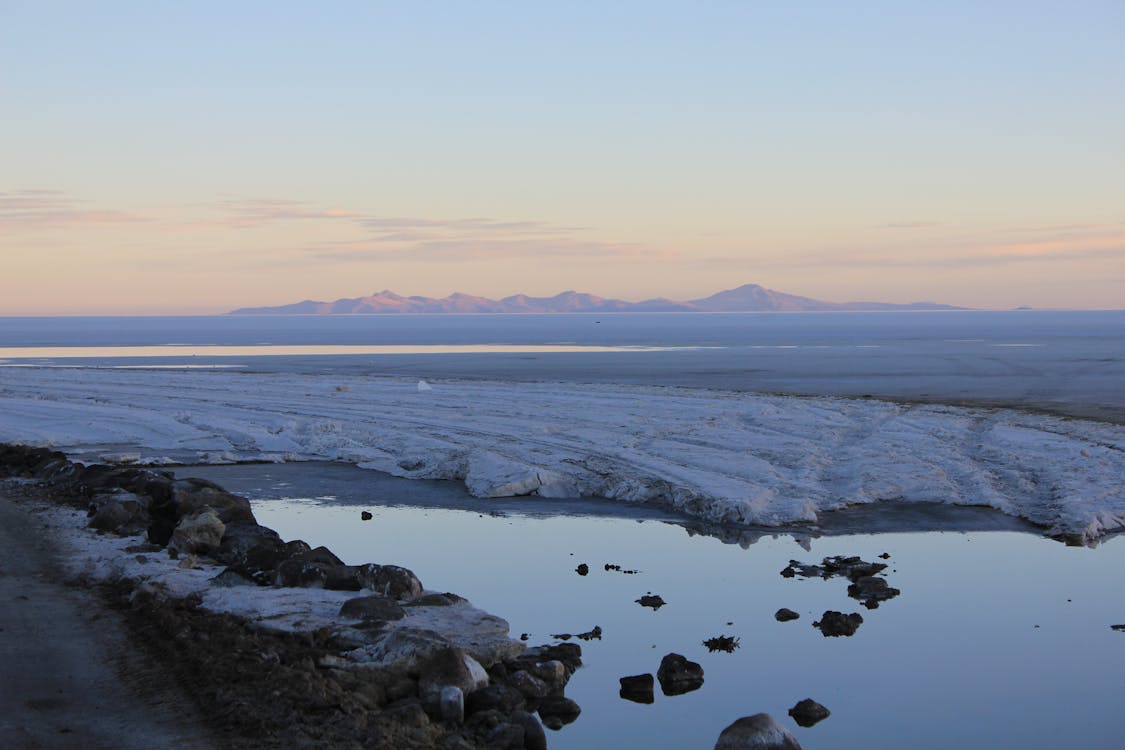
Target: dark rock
872, 590
727, 643
451, 703
557, 711
677, 675
372, 608
1117, 627
506, 736
322, 556
851, 568
193, 495
256, 551
434, 600
198, 533
570, 654
175, 499
21, 460
298, 573
808, 712
365, 516
757, 732
123, 512
591, 635
528, 685
833, 624
496, 697
651, 600
392, 580
231, 577
582, 569
449, 666
534, 738
638, 688
785, 615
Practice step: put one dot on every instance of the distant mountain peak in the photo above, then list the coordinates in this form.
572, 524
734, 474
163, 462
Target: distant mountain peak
745, 298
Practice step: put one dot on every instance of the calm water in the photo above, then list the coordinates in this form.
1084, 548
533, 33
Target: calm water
957, 660
657, 329
1067, 362
999, 639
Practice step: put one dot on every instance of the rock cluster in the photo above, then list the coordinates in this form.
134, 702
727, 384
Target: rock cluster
409, 684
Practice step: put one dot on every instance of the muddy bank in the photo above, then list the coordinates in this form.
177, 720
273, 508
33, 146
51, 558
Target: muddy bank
276, 644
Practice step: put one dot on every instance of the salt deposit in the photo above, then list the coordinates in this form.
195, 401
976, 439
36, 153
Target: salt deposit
717, 455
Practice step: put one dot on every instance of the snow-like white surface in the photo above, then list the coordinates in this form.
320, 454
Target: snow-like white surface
717, 455
98, 557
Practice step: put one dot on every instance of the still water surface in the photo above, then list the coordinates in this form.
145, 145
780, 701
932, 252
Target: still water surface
999, 639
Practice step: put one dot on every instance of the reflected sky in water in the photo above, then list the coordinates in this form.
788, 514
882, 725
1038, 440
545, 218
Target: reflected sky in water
999, 639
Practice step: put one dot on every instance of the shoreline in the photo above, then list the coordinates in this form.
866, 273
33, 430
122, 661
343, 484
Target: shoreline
725, 457
397, 667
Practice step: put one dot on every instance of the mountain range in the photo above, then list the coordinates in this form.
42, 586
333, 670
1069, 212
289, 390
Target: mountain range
746, 298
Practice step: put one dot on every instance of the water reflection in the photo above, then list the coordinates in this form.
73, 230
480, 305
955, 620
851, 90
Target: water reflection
998, 638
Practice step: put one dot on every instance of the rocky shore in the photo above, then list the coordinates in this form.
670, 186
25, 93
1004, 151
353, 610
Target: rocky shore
282, 645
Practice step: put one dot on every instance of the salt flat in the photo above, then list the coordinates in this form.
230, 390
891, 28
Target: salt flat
718, 455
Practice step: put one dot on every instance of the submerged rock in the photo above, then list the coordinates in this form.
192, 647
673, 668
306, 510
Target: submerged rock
785, 615
871, 590
726, 643
655, 601
757, 732
808, 712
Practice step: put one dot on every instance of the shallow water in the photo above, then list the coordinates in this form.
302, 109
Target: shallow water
999, 639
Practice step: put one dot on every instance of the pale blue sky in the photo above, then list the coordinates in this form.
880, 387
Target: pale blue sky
965, 151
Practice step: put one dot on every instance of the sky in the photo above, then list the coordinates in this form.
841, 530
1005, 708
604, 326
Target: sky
166, 157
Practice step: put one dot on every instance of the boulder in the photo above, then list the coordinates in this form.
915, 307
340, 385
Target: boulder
495, 697
534, 738
451, 702
557, 711
833, 624
808, 712
638, 688
372, 608
528, 685
192, 495
122, 512
677, 675
757, 732
200, 533
785, 615
569, 654
256, 551
450, 666
389, 580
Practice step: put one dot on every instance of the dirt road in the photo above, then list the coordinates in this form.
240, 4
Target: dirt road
68, 676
